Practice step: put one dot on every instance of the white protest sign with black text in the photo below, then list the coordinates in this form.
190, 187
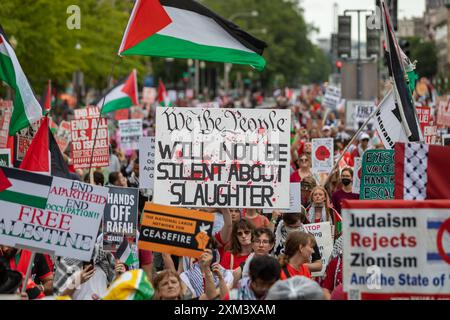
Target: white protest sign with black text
236, 158
357, 112
322, 233
146, 162
129, 132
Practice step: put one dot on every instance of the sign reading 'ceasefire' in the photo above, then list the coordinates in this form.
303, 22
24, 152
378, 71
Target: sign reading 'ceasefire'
176, 231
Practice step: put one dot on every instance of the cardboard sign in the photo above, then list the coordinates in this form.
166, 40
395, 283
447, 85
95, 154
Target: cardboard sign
430, 134
322, 233
424, 114
176, 231
377, 178
295, 199
396, 249
129, 132
50, 214
443, 113
63, 135
120, 217
146, 162
5, 158
332, 97
322, 155
87, 113
83, 134
236, 158
357, 173
5, 118
357, 112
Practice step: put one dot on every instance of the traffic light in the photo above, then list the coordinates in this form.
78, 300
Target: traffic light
406, 47
344, 36
372, 40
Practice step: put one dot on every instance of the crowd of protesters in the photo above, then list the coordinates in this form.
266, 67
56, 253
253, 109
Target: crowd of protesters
253, 256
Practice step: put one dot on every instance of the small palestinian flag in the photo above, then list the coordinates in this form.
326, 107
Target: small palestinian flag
338, 222
188, 30
27, 188
124, 253
122, 96
27, 109
163, 97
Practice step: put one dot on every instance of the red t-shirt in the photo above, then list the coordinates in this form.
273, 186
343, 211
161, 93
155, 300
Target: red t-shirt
303, 271
295, 177
339, 196
225, 260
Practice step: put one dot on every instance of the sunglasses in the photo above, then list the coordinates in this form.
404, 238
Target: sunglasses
303, 160
242, 233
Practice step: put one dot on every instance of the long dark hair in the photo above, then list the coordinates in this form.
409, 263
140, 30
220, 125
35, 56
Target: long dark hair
240, 225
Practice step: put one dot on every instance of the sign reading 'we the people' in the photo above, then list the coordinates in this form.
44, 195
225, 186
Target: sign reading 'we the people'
222, 158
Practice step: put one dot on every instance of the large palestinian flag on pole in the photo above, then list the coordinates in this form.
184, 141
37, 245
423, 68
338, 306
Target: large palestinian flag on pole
27, 109
187, 29
122, 96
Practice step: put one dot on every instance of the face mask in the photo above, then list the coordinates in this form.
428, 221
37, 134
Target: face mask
346, 182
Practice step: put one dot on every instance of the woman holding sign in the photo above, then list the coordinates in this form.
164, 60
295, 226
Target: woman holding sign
321, 209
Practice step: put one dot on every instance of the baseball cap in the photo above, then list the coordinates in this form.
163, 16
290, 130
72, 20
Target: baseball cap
364, 136
324, 128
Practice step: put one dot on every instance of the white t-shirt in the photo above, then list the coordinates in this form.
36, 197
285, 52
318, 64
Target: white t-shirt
98, 284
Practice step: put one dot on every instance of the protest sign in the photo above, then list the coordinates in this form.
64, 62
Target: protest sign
322, 155
176, 231
357, 112
332, 97
83, 134
357, 173
5, 118
322, 233
236, 158
377, 177
50, 214
430, 134
23, 140
120, 217
5, 158
87, 113
443, 113
129, 132
146, 162
424, 115
149, 95
295, 199
63, 135
396, 249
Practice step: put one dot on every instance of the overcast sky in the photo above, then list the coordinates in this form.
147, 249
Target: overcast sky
320, 13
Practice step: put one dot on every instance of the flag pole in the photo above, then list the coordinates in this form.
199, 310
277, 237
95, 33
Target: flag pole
99, 120
27, 275
351, 142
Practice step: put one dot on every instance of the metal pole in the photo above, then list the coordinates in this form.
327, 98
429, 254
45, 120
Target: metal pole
197, 78
358, 63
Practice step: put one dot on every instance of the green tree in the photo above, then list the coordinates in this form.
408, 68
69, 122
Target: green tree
425, 52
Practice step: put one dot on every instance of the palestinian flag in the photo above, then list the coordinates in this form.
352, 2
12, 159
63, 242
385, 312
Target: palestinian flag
186, 29
132, 285
27, 188
27, 109
122, 96
124, 253
44, 156
163, 97
404, 101
421, 171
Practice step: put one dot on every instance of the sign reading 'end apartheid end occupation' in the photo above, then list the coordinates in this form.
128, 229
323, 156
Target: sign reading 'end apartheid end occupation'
377, 178
147, 162
83, 136
120, 218
176, 231
50, 214
396, 249
236, 158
